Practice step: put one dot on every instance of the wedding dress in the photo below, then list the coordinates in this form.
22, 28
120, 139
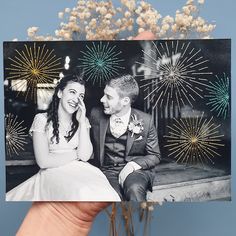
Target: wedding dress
75, 181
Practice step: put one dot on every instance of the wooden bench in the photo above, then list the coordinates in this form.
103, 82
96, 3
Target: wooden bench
18, 171
173, 182
178, 182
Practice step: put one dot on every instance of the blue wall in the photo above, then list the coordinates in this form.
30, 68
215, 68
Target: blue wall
185, 219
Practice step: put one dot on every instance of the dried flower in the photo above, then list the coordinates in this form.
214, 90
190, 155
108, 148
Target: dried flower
67, 10
32, 31
96, 20
60, 15
201, 1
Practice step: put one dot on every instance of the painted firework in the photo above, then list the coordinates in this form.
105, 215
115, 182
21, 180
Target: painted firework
33, 66
15, 135
100, 62
176, 74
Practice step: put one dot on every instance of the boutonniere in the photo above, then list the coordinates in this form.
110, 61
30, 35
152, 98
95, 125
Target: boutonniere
135, 126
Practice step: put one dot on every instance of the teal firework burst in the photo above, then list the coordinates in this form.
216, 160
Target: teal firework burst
219, 96
100, 62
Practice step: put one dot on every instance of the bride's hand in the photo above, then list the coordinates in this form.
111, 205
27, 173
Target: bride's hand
81, 113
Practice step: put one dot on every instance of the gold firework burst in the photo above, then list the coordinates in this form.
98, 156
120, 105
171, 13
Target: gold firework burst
15, 135
194, 140
174, 74
32, 66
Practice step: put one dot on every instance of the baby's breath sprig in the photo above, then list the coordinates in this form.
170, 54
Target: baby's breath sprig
101, 20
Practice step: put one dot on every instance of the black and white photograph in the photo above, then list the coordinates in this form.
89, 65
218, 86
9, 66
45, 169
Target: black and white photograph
118, 120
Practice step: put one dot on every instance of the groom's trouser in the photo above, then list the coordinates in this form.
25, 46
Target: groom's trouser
135, 185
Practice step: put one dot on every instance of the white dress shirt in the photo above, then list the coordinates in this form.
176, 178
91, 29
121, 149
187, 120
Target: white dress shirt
119, 129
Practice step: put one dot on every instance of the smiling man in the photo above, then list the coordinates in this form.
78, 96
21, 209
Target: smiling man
125, 140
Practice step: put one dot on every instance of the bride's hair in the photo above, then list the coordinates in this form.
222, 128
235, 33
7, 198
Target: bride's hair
52, 112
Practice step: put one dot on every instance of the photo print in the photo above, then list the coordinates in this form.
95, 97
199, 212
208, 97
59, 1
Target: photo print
118, 120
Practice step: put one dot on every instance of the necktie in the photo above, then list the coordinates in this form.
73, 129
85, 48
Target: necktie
118, 121
118, 128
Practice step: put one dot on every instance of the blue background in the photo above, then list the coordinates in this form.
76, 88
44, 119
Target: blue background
185, 219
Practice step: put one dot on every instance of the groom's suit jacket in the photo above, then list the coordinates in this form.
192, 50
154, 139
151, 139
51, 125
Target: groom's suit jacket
142, 148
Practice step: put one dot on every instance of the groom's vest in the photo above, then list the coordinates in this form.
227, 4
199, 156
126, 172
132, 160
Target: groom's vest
114, 149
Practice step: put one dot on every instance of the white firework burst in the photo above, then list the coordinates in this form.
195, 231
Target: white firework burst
100, 62
177, 74
15, 135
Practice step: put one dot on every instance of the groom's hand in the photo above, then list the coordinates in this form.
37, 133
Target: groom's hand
128, 169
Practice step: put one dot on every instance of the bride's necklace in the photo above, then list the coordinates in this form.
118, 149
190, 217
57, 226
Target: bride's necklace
65, 129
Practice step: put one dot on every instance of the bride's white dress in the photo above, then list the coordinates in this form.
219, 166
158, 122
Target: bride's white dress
76, 181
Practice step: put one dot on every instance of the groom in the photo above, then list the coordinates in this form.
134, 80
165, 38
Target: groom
125, 140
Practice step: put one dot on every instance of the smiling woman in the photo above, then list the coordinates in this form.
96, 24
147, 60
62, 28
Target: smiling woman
71, 97
58, 138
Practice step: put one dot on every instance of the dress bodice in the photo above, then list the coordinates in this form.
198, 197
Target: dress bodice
40, 125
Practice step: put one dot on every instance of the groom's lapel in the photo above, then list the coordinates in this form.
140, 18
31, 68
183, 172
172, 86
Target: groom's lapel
130, 140
103, 129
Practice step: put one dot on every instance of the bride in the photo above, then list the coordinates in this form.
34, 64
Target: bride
62, 147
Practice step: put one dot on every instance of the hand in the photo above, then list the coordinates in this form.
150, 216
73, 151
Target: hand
128, 169
81, 113
68, 218
146, 35
60, 218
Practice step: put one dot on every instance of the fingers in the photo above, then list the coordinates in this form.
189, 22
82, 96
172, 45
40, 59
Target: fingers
146, 35
83, 211
128, 169
119, 180
61, 218
81, 101
122, 176
81, 112
81, 104
90, 210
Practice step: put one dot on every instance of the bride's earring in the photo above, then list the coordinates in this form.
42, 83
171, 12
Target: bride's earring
59, 94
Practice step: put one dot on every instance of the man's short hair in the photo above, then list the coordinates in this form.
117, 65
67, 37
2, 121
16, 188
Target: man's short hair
126, 86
